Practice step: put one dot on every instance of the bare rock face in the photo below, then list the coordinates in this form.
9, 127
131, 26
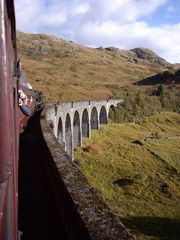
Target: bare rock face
147, 54
112, 49
45, 49
138, 56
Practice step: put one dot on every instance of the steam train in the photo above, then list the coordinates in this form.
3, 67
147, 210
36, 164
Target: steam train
12, 119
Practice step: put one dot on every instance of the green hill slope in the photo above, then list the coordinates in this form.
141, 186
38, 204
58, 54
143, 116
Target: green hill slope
136, 169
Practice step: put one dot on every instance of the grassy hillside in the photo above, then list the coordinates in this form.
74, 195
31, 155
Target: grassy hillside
136, 169
64, 70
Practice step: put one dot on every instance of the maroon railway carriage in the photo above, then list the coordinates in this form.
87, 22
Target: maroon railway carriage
12, 121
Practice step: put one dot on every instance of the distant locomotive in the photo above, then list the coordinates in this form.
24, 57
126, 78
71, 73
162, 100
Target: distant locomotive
12, 119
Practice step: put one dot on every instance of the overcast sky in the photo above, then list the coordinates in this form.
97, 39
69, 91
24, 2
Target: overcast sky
125, 24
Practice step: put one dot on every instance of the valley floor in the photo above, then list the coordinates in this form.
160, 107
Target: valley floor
136, 169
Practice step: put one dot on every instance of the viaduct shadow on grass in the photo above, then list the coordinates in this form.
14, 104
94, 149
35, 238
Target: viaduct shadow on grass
123, 182
139, 178
161, 228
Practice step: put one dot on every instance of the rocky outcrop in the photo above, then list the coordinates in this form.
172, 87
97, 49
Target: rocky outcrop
143, 56
112, 49
147, 54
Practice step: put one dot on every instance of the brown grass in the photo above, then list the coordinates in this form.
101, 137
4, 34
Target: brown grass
67, 71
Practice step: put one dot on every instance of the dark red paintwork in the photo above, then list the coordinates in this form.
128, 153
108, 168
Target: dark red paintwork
8, 124
12, 121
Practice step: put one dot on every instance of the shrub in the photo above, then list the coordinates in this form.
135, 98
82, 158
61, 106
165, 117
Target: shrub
160, 91
137, 105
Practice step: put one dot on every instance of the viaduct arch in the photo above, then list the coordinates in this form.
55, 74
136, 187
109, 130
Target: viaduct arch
85, 124
60, 131
103, 117
68, 135
74, 120
94, 119
76, 129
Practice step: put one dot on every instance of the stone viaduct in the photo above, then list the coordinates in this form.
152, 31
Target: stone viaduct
71, 121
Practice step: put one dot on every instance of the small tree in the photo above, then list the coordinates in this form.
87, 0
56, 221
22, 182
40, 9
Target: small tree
160, 91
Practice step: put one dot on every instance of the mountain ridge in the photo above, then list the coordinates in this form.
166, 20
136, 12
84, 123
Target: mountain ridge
65, 70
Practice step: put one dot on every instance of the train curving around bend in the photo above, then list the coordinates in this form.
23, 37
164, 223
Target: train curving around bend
13, 119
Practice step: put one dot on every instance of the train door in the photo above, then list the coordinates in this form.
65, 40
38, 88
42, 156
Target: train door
8, 132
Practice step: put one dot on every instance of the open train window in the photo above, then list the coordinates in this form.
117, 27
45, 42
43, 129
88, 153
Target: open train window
17, 68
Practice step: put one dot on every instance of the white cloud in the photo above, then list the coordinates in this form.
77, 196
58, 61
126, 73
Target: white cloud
102, 23
81, 8
54, 16
27, 12
123, 11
